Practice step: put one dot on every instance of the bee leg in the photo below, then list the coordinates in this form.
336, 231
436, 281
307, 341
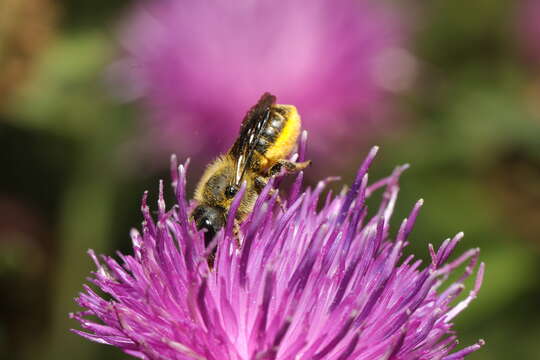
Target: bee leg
278, 199
237, 233
289, 166
260, 183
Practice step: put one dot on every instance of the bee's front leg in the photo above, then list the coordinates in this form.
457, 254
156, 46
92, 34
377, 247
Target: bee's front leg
289, 166
260, 183
237, 233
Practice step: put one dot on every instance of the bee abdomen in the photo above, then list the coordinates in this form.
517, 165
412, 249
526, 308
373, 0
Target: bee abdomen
270, 134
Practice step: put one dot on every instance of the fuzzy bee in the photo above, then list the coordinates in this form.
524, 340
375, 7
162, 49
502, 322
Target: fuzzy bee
267, 138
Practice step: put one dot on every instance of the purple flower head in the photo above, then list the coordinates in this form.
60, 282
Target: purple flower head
198, 64
528, 23
316, 279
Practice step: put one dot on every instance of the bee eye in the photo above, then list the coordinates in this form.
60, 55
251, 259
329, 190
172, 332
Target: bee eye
230, 191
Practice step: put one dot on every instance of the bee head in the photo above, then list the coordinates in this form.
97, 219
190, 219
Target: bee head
211, 218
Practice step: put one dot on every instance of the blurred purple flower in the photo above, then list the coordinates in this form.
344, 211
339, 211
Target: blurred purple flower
198, 65
306, 283
528, 23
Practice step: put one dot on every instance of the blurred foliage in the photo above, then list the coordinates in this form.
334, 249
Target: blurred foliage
470, 129
26, 28
74, 95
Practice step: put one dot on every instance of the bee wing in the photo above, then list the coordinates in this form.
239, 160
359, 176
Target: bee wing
250, 132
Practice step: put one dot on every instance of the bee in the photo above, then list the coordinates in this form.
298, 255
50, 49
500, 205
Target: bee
268, 135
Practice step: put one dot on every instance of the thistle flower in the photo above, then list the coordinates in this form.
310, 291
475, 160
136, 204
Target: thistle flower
305, 283
528, 23
197, 65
